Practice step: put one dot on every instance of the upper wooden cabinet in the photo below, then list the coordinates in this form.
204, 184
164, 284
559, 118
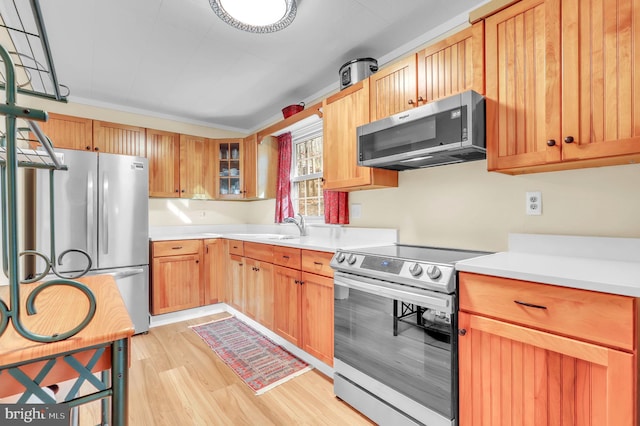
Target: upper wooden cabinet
260, 171
163, 152
229, 168
452, 65
196, 167
559, 85
69, 132
393, 88
119, 139
343, 113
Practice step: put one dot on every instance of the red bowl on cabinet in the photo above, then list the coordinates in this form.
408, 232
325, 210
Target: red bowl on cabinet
288, 111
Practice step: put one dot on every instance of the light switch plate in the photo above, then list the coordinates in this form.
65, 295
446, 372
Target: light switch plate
355, 211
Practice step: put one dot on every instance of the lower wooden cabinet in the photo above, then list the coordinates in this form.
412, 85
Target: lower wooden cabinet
258, 281
518, 374
236, 270
215, 271
287, 303
317, 316
176, 270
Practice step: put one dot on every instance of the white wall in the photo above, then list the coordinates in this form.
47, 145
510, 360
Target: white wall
465, 206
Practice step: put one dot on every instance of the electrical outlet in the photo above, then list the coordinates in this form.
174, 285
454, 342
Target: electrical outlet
534, 203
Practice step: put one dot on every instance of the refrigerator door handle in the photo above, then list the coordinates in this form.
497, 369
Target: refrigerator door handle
125, 274
90, 224
105, 213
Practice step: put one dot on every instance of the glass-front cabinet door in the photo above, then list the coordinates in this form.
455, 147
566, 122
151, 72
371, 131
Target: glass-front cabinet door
230, 169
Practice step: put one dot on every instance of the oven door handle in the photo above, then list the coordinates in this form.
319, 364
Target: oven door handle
424, 298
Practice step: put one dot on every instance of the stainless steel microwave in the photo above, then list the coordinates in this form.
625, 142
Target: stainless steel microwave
446, 131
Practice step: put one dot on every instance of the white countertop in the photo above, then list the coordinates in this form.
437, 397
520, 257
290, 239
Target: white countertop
321, 238
609, 265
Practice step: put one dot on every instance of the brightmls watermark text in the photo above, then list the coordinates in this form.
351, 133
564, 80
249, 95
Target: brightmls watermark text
34, 414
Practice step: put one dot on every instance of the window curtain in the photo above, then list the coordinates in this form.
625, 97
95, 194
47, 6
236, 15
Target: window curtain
336, 207
284, 207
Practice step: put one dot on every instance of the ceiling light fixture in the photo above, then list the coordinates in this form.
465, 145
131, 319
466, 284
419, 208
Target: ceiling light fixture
256, 16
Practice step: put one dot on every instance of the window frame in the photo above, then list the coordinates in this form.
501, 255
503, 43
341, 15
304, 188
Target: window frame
299, 136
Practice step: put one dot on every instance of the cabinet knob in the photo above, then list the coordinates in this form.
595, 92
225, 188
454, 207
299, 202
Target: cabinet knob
177, 190
197, 261
182, 190
96, 149
462, 332
568, 139
420, 99
551, 142
88, 148
411, 102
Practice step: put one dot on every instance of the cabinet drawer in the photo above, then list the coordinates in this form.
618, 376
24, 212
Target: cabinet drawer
287, 256
587, 315
176, 247
259, 251
317, 262
236, 247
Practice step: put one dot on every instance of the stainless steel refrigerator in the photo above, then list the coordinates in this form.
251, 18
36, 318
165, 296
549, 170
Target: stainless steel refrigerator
101, 207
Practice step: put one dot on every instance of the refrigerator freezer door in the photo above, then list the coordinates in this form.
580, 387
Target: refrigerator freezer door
123, 211
133, 284
75, 212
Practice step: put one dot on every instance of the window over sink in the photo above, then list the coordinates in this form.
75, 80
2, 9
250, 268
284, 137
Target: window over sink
306, 171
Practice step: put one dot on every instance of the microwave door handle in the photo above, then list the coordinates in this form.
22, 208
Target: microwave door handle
391, 291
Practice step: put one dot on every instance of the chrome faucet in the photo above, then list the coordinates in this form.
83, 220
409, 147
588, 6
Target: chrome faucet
300, 224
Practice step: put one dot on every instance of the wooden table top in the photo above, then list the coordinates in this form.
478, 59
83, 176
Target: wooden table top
59, 309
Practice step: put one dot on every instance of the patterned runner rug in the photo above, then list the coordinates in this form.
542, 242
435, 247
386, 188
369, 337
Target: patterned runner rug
258, 361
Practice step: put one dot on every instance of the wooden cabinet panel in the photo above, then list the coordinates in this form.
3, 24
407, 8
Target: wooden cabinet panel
193, 158
518, 376
250, 304
597, 317
176, 276
265, 294
236, 281
259, 251
287, 256
523, 58
453, 65
176, 247
236, 247
601, 63
119, 138
69, 132
163, 152
393, 89
215, 273
287, 308
250, 178
317, 316
258, 288
343, 113
317, 262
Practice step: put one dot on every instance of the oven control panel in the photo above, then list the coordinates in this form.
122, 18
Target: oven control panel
437, 277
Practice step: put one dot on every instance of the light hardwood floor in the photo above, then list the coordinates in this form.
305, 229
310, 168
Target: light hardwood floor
177, 380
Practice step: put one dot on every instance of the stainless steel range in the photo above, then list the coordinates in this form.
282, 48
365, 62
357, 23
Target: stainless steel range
395, 354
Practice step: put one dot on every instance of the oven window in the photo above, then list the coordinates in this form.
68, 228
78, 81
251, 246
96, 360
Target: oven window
399, 344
